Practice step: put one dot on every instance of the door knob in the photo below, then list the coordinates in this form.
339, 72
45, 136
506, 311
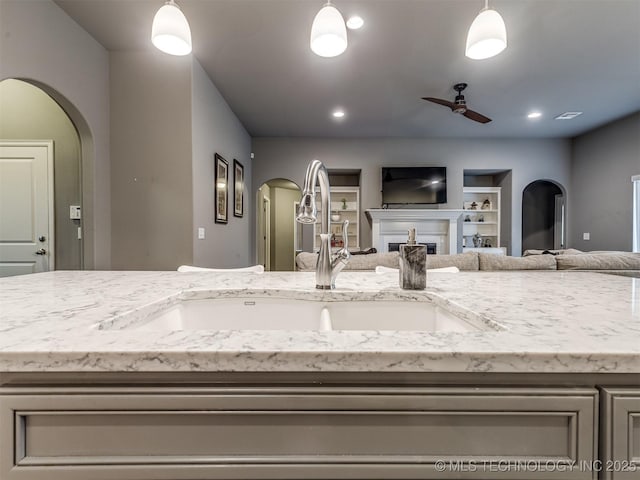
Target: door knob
42, 251
42, 238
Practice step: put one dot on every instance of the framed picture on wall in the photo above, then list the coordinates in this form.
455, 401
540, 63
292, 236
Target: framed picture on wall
238, 189
221, 189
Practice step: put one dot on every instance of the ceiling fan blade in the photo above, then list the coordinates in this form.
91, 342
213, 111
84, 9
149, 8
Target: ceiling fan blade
439, 101
476, 116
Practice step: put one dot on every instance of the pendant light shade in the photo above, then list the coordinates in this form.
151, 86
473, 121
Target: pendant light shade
170, 31
328, 32
487, 35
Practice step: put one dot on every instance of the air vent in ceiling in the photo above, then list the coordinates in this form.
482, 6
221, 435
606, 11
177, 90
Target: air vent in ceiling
568, 115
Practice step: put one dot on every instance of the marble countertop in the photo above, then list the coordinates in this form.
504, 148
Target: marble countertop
542, 322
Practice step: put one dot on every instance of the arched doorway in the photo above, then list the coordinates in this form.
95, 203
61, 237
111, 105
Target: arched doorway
30, 113
543, 216
278, 234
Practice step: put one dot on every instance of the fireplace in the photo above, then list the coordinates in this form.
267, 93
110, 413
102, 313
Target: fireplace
432, 248
442, 229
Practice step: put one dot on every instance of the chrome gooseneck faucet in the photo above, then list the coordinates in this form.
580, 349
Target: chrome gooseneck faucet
326, 269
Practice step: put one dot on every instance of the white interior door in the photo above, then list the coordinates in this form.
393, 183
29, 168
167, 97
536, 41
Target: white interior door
266, 212
297, 234
26, 207
559, 227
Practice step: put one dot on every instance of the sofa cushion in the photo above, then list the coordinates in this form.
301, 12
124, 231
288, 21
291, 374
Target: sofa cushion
306, 261
492, 262
599, 261
464, 261
567, 251
373, 260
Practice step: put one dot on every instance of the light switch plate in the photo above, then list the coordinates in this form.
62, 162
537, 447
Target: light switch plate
200, 233
586, 236
75, 212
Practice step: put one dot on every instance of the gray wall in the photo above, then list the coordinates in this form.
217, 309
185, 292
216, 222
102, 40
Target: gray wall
43, 45
151, 179
216, 129
603, 162
529, 160
30, 114
505, 181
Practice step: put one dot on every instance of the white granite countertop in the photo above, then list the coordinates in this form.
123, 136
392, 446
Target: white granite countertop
547, 322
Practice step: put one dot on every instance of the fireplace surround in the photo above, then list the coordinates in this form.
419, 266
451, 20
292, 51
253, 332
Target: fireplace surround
440, 227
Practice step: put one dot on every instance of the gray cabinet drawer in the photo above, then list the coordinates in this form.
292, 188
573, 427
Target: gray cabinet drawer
621, 435
285, 433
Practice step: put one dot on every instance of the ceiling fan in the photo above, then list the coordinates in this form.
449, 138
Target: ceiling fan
459, 105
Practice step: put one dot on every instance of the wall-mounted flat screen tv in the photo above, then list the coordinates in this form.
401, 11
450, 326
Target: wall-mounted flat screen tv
414, 185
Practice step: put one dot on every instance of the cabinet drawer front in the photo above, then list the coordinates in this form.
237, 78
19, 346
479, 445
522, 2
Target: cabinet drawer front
373, 433
621, 446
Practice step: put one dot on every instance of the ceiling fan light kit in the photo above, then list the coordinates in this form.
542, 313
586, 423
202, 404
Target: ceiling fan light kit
459, 105
328, 32
487, 35
170, 31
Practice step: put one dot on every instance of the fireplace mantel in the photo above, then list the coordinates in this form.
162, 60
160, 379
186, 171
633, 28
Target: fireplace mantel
443, 227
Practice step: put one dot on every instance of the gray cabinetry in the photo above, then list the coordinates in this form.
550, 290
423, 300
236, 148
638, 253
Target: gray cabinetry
293, 432
621, 434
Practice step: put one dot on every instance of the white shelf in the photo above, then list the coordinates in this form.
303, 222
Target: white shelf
340, 222
494, 250
342, 210
480, 223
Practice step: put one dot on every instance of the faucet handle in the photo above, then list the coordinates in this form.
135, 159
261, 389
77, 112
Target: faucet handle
345, 234
343, 256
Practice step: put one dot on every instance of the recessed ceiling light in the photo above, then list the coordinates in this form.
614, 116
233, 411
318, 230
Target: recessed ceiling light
435, 182
355, 22
338, 114
568, 115
534, 115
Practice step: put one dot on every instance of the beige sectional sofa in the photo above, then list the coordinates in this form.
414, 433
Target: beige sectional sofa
474, 261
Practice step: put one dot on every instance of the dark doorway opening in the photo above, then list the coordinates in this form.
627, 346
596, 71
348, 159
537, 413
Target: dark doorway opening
543, 216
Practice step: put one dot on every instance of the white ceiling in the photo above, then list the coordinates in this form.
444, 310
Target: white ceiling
563, 55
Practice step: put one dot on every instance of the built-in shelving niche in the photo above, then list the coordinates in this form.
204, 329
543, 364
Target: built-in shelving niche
488, 179
345, 205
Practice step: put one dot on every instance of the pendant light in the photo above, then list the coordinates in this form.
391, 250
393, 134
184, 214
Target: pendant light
487, 35
170, 31
328, 32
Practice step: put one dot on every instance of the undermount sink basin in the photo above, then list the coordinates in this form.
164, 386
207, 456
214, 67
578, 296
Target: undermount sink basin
239, 314
389, 315
286, 314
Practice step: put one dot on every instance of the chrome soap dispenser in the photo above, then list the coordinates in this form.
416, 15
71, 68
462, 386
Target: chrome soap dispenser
413, 264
